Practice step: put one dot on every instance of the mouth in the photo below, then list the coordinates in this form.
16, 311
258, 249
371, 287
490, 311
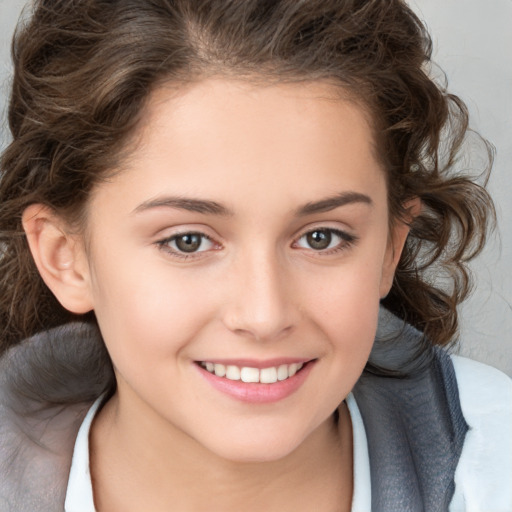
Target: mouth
258, 382
248, 374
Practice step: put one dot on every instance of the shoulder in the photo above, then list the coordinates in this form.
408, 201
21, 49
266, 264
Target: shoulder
484, 472
485, 395
472, 373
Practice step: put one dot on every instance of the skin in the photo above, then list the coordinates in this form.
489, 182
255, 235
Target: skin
256, 289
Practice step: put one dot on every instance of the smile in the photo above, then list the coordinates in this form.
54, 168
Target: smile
268, 375
256, 383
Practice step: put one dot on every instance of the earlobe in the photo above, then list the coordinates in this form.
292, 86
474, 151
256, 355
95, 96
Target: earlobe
59, 257
396, 243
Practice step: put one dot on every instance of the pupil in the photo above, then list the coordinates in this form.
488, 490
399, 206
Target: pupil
319, 239
188, 243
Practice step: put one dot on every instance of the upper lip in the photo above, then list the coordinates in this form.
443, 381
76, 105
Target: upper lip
257, 363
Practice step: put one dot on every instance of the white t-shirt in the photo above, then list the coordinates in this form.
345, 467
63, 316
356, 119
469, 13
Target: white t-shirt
482, 479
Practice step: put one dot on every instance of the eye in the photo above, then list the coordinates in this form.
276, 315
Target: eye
187, 243
324, 239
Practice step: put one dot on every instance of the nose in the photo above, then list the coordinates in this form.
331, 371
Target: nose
261, 304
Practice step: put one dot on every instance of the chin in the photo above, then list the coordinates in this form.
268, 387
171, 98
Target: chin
250, 453
258, 445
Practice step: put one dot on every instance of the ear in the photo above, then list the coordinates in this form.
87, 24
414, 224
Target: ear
59, 257
396, 243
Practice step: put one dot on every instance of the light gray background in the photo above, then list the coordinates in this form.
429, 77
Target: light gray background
473, 45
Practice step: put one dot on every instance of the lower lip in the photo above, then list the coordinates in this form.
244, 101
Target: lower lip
254, 392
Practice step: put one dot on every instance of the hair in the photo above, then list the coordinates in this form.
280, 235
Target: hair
83, 73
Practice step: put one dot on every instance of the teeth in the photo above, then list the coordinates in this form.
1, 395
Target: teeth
282, 372
268, 375
247, 374
233, 373
250, 374
220, 370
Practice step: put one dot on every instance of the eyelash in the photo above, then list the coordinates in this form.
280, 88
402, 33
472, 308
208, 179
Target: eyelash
164, 244
346, 241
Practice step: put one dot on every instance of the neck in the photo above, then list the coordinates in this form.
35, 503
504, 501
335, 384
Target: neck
131, 473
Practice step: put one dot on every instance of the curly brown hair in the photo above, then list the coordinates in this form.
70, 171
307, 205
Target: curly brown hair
84, 69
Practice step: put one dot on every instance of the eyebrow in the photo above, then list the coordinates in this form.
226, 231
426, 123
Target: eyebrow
185, 203
331, 203
208, 207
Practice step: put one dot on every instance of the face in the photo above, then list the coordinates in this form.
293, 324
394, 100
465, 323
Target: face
247, 234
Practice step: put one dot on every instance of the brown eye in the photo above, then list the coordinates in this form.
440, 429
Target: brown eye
189, 242
319, 239
325, 240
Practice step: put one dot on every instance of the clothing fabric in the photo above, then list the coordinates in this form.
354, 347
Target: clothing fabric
479, 485
437, 429
79, 494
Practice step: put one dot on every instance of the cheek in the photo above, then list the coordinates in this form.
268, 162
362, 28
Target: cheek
348, 312
147, 311
345, 306
353, 285
343, 316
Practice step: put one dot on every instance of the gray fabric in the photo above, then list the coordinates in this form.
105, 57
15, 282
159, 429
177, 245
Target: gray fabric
47, 385
414, 424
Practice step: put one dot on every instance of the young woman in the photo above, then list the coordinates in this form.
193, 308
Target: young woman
221, 224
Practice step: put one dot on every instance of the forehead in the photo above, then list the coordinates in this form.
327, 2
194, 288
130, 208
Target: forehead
219, 137
258, 111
